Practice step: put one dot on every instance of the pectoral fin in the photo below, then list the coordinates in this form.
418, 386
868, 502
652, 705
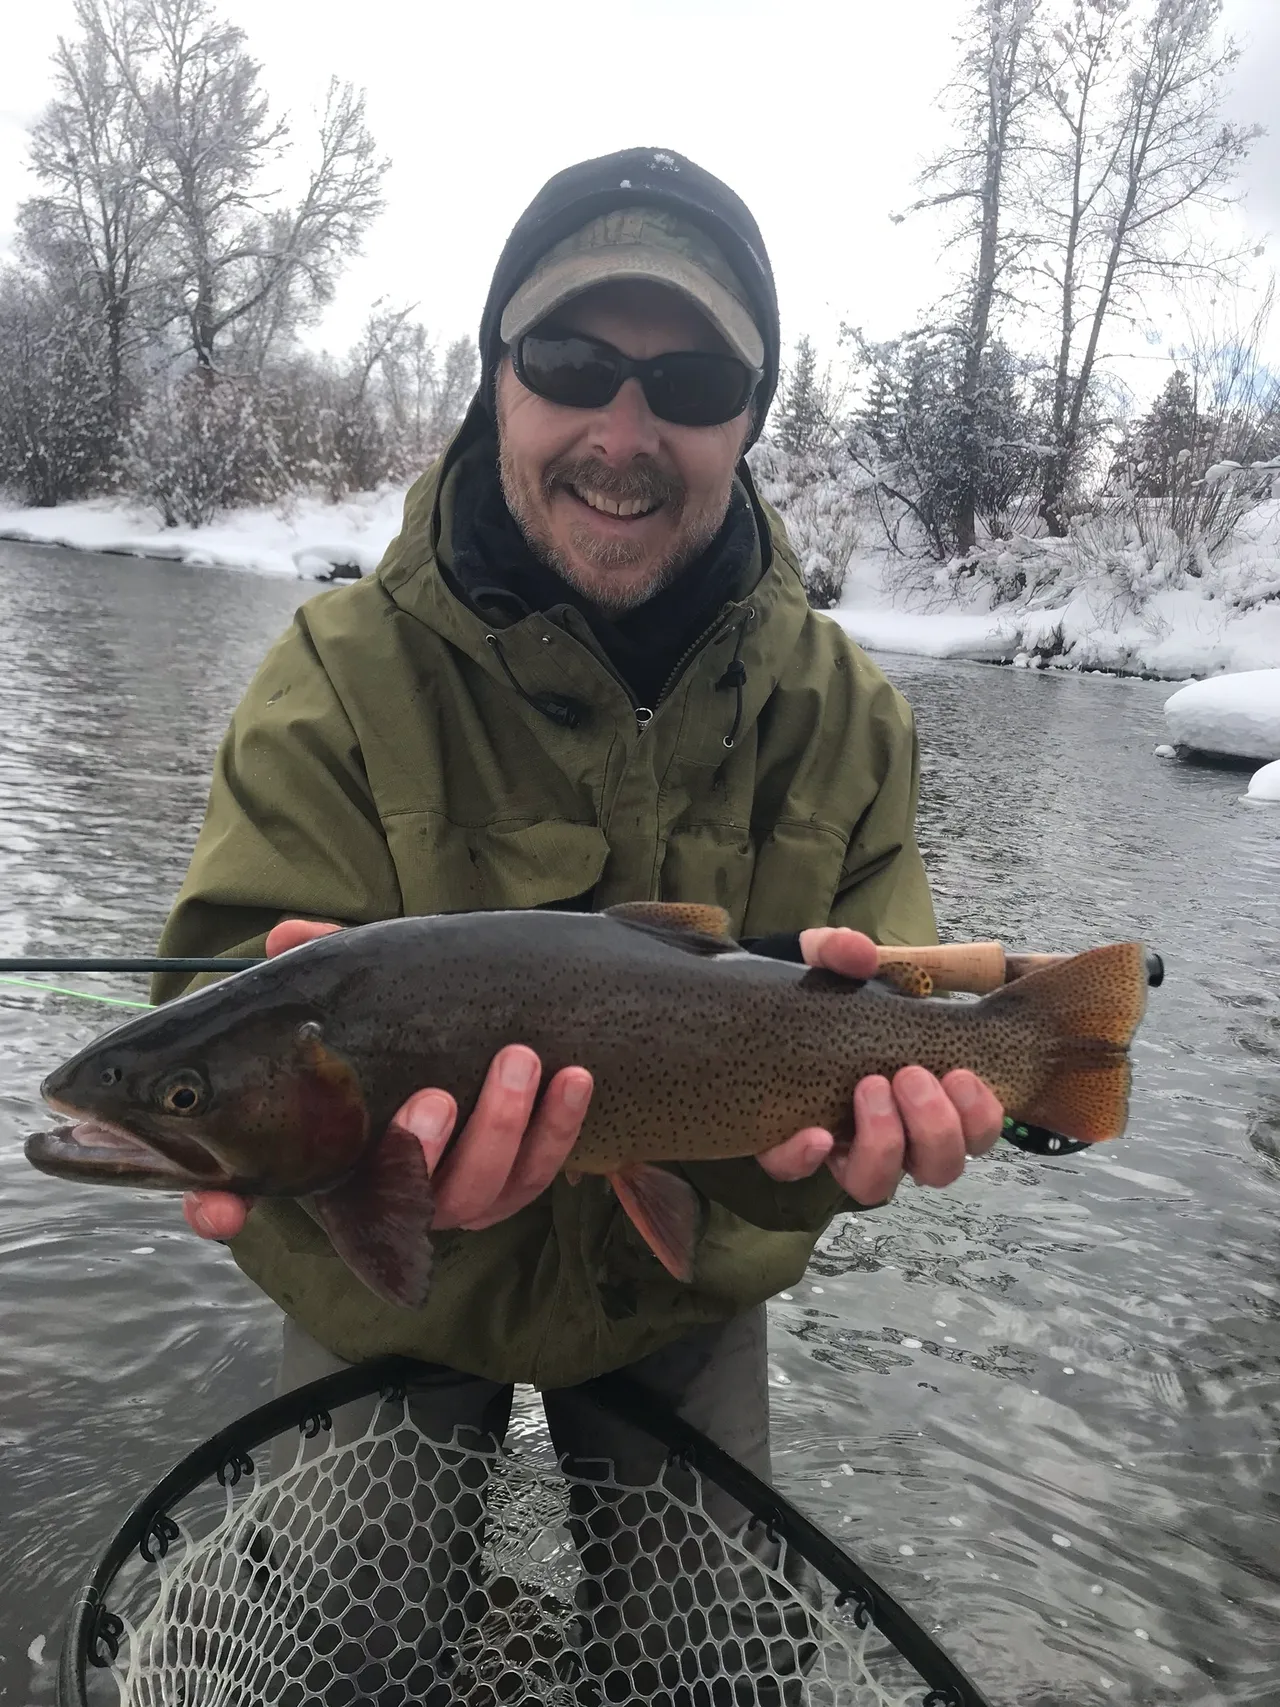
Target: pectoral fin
379, 1219
664, 1210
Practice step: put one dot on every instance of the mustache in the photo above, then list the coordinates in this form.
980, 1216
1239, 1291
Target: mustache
641, 480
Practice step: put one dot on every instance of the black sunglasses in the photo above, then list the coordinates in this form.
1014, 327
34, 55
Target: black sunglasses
691, 388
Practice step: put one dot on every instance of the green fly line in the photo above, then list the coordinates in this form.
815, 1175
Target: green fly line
84, 995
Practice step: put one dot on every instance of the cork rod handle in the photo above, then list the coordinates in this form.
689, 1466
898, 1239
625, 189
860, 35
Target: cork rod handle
978, 967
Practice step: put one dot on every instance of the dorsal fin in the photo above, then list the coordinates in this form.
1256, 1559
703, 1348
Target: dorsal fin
675, 916
683, 924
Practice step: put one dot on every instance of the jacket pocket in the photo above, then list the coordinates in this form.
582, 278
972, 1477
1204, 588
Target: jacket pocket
712, 863
797, 872
445, 867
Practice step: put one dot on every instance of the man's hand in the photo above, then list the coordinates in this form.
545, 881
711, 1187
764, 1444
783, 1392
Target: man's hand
502, 1159
915, 1124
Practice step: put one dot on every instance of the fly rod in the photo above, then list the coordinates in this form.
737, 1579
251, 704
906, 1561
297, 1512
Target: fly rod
973, 968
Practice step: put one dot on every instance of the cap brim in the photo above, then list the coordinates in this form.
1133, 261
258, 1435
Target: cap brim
545, 292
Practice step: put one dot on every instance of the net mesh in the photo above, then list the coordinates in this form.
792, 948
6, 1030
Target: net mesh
391, 1569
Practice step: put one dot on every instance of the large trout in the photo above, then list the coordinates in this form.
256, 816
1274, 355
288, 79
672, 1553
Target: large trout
282, 1081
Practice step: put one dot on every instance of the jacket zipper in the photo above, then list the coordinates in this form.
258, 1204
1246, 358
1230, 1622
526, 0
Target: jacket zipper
644, 713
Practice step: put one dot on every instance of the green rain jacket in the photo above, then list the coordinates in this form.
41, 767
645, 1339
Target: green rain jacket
383, 762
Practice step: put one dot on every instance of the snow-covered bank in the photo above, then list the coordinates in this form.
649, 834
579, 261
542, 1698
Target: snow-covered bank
1237, 715
1077, 608
306, 536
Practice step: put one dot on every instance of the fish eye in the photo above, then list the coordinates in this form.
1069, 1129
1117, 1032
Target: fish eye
110, 1076
184, 1092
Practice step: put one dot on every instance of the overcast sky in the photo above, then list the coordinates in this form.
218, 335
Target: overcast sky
818, 112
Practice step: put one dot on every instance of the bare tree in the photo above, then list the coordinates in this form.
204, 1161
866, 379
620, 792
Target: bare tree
426, 397
999, 78
1132, 150
95, 223
209, 143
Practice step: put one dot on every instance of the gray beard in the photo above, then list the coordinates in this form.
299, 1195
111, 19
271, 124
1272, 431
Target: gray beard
686, 550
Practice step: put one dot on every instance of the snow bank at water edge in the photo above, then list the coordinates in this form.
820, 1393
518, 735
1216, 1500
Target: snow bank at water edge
1095, 601
1238, 715
1264, 785
305, 536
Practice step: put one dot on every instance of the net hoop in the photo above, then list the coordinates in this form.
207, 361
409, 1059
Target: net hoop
93, 1633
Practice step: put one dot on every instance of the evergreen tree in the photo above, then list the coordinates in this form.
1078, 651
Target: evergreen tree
1169, 440
803, 414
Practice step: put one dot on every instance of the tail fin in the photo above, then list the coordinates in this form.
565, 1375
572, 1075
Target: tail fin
1085, 1012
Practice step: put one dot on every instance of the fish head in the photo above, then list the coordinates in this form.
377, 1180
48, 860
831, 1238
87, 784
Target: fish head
209, 1094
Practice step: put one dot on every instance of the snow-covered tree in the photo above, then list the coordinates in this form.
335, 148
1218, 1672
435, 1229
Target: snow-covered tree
995, 90
1132, 148
237, 265
938, 457
56, 424
801, 419
94, 224
201, 444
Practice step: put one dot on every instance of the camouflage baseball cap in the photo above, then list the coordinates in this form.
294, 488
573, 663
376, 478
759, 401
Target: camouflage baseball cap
639, 243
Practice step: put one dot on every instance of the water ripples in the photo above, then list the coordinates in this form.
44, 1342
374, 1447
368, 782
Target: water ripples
1042, 1406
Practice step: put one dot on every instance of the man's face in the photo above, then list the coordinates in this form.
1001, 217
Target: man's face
555, 460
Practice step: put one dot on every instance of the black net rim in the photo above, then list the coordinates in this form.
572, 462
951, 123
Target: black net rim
227, 1455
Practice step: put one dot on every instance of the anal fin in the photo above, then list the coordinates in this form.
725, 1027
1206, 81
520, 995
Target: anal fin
664, 1210
378, 1221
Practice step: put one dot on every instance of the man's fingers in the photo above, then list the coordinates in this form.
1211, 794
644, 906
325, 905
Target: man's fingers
428, 1116
478, 1165
837, 949
980, 1110
292, 933
935, 1138
799, 1156
550, 1138
215, 1214
872, 1166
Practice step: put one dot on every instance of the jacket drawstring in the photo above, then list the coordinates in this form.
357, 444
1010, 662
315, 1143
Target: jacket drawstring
566, 712
735, 676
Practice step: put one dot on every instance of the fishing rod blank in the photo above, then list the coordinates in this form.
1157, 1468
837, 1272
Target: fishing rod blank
152, 963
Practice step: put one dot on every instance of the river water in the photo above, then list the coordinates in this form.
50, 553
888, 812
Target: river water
1042, 1406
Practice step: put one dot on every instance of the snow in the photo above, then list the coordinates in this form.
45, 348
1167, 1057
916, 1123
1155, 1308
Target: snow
1090, 603
305, 537
927, 634
1093, 603
1265, 784
1237, 715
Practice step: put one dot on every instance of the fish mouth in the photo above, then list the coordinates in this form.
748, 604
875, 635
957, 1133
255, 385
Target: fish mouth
94, 1149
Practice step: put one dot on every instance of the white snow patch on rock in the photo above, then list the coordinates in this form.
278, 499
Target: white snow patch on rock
1265, 784
1237, 715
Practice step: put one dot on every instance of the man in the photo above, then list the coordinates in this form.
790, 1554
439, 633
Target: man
584, 673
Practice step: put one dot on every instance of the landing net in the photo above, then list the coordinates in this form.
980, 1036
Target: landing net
356, 1560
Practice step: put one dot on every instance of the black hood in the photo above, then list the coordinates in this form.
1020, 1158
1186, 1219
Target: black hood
654, 177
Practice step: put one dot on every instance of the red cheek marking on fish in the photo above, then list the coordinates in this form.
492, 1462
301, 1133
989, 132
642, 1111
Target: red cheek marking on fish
332, 1120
